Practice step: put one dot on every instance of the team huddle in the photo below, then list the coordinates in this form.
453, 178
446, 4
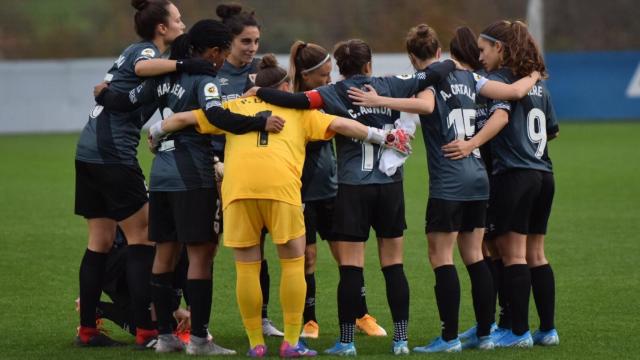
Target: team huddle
246, 147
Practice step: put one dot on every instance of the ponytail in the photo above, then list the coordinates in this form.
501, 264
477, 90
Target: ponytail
464, 47
305, 58
203, 35
521, 53
269, 73
149, 14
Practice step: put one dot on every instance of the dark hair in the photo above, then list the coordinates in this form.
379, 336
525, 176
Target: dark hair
422, 41
269, 73
203, 35
150, 13
521, 53
464, 47
304, 56
351, 56
235, 18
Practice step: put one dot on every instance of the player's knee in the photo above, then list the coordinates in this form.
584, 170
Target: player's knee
536, 258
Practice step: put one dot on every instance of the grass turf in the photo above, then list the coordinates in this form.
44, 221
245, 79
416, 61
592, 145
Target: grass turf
592, 245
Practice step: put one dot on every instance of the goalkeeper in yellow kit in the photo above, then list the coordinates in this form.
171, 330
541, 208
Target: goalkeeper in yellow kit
261, 188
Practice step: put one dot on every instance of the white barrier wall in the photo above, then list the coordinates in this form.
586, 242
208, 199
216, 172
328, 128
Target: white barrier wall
56, 96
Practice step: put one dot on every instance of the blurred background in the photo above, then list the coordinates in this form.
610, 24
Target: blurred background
53, 52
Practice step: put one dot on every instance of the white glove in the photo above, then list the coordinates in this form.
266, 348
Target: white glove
376, 136
156, 133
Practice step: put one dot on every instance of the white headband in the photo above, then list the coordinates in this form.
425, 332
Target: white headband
317, 66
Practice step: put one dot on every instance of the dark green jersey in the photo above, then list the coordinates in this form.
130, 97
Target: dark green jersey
482, 115
111, 137
454, 118
357, 160
319, 175
522, 144
233, 83
184, 160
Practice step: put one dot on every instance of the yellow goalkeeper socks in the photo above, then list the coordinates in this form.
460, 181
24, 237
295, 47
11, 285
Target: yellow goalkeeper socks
293, 289
249, 298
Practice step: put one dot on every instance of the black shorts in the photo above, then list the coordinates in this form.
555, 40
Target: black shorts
360, 207
454, 216
490, 225
217, 216
318, 218
522, 201
111, 191
182, 216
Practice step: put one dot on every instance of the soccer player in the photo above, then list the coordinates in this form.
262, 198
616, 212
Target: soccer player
523, 173
458, 189
236, 76
110, 187
309, 68
367, 197
271, 200
182, 180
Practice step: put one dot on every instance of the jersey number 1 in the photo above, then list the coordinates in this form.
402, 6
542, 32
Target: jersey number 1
263, 136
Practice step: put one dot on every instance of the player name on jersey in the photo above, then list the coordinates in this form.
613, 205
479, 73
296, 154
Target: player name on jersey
363, 110
166, 87
459, 89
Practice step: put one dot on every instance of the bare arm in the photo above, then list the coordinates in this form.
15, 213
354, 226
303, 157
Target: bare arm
349, 128
178, 121
459, 149
154, 67
501, 91
424, 103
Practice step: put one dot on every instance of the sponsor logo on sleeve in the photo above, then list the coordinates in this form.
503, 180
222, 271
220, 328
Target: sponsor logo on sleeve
148, 52
96, 111
211, 91
212, 103
405, 76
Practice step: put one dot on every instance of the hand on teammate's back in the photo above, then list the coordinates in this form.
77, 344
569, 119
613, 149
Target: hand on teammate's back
251, 92
98, 88
369, 97
275, 124
457, 149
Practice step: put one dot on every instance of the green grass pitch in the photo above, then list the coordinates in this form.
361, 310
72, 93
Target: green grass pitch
593, 244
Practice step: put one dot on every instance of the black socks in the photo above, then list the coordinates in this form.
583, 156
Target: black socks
398, 298
264, 285
162, 294
200, 291
544, 294
518, 282
310, 299
139, 264
447, 291
483, 296
91, 278
349, 289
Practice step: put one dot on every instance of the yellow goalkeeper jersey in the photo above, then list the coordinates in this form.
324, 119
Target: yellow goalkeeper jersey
261, 165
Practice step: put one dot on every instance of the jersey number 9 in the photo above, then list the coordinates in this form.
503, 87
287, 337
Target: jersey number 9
537, 130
